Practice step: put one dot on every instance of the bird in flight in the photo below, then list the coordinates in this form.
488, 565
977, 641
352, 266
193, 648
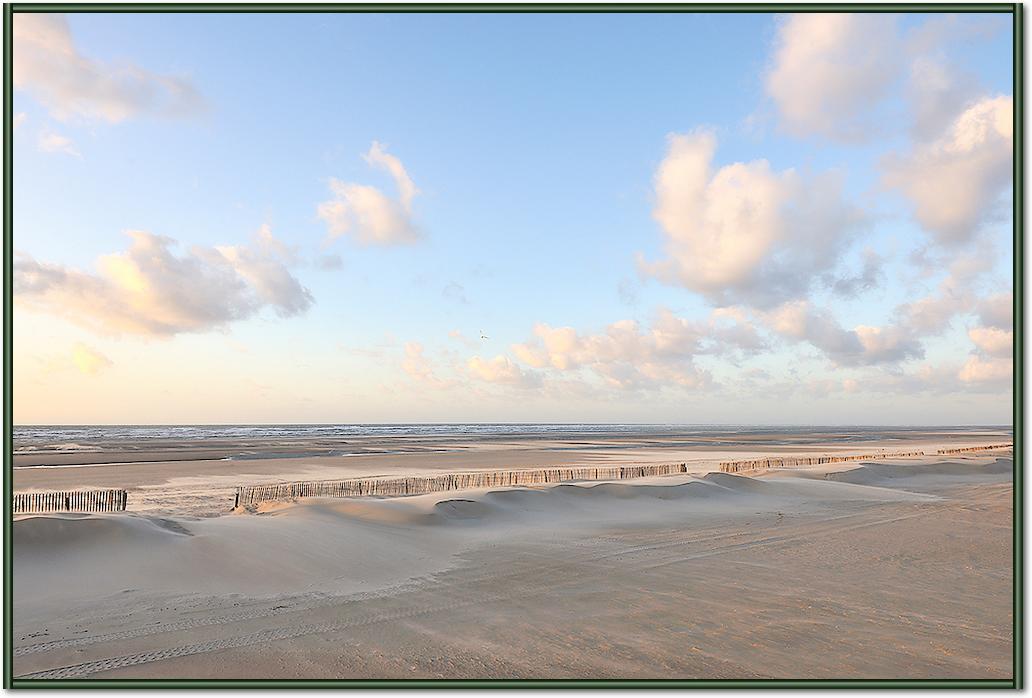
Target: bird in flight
483, 336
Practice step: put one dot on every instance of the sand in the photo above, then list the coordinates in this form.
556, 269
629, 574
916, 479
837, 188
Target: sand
898, 569
167, 477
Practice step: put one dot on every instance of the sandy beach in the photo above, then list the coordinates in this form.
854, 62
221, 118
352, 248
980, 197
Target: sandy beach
514, 342
197, 477
887, 569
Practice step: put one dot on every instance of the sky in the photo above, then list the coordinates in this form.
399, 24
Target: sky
624, 218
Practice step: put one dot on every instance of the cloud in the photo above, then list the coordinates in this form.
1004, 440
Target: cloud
501, 370
862, 345
420, 368
828, 69
50, 142
379, 158
937, 92
150, 290
993, 371
933, 314
20, 118
366, 213
930, 315
263, 267
939, 88
48, 64
993, 340
997, 311
730, 330
868, 278
745, 233
953, 183
89, 360
624, 355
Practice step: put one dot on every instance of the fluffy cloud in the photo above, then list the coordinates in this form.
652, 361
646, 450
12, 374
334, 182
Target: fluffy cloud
863, 344
150, 290
828, 69
624, 355
366, 213
88, 360
991, 363
993, 371
262, 265
745, 233
50, 142
48, 64
501, 370
992, 340
954, 182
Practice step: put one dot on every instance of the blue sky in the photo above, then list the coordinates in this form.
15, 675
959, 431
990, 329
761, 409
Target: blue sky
535, 145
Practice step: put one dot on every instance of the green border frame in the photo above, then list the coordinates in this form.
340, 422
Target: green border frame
1014, 9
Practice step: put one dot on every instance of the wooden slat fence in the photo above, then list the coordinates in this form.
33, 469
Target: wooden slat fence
738, 466
406, 486
969, 449
72, 500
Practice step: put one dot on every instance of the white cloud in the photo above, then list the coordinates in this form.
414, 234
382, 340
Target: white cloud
625, 355
954, 183
50, 142
48, 64
263, 266
367, 214
993, 340
745, 233
150, 290
88, 360
994, 371
997, 310
501, 370
379, 158
828, 69
862, 345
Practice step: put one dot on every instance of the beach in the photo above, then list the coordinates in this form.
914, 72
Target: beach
881, 568
194, 472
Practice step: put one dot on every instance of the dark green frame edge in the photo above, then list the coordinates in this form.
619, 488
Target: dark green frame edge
1017, 682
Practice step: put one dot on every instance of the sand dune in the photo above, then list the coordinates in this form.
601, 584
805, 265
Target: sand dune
882, 473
